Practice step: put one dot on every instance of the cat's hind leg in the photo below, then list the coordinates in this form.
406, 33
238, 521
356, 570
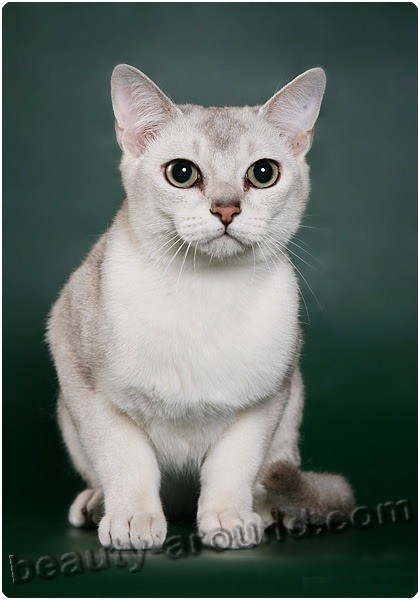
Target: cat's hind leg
283, 488
87, 508
284, 447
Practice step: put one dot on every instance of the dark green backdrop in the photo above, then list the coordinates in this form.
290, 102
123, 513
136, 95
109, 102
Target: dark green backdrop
62, 187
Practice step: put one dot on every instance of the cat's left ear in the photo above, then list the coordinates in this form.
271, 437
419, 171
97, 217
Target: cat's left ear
295, 108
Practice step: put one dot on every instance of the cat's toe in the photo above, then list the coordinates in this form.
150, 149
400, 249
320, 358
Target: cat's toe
138, 531
147, 531
230, 529
114, 532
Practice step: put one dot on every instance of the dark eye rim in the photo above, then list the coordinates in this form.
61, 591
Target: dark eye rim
187, 160
270, 160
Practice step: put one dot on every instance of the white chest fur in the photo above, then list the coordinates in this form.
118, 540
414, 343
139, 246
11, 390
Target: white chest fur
220, 337
185, 353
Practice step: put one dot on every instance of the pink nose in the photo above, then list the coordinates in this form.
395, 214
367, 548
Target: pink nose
226, 213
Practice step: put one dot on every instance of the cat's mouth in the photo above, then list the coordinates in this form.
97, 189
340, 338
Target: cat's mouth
223, 244
224, 236
227, 234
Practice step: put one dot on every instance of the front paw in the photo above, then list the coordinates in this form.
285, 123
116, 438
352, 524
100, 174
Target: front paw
230, 529
135, 531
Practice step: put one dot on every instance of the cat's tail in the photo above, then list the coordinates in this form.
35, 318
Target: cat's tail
294, 493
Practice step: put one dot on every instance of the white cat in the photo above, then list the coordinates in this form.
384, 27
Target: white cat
177, 342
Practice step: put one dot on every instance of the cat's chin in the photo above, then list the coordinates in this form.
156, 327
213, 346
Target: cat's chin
223, 246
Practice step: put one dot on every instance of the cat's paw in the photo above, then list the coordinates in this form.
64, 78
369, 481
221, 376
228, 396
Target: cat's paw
230, 529
136, 531
87, 508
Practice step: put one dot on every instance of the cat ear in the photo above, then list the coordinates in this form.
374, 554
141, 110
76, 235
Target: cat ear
295, 108
140, 108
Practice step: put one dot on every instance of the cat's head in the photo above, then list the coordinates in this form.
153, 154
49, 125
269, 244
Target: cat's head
222, 181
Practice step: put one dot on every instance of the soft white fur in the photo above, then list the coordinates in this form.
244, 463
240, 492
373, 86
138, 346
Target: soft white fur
176, 347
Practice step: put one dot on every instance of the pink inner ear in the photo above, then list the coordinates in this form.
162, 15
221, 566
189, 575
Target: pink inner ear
128, 140
140, 108
295, 108
118, 133
133, 141
302, 142
135, 125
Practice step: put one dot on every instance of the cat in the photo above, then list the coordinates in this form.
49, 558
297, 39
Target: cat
177, 340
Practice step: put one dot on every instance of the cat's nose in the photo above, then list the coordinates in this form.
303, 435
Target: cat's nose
226, 213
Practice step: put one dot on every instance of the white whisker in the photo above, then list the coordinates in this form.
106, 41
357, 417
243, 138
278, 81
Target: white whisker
264, 257
163, 245
312, 227
166, 268
300, 291
306, 251
195, 254
159, 258
182, 266
279, 245
281, 248
253, 272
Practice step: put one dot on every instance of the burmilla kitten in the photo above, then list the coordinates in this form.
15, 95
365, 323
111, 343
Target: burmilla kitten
177, 341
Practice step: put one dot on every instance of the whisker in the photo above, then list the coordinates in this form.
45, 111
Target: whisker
312, 227
166, 268
182, 266
311, 290
306, 251
302, 259
301, 241
300, 291
264, 257
195, 254
167, 250
278, 283
279, 245
165, 244
253, 272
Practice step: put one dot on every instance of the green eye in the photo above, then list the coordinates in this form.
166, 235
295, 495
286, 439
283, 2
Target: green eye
263, 173
182, 173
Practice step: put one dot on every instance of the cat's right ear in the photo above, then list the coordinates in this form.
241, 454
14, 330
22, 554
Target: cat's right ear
140, 108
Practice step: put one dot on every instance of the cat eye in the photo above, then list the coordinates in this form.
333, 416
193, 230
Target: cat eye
182, 173
263, 173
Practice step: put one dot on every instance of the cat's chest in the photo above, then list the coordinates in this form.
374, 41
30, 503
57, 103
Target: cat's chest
216, 341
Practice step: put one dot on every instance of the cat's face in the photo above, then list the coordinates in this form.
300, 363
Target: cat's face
220, 181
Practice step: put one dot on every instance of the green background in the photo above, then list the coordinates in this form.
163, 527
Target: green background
62, 187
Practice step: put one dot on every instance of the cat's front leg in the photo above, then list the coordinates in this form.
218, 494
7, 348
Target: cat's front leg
127, 470
226, 517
